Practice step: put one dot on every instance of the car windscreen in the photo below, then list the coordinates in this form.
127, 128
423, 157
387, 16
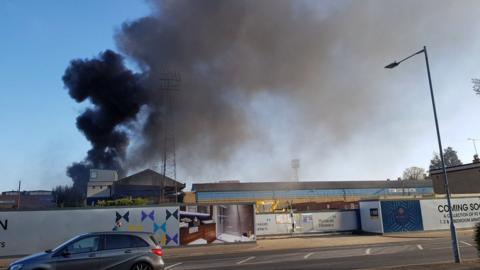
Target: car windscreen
61, 246
84, 245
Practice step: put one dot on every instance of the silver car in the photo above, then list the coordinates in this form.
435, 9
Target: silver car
102, 250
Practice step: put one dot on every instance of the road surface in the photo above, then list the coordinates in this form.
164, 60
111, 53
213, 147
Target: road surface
348, 257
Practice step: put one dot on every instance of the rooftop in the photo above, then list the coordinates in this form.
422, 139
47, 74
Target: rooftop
457, 168
259, 186
148, 177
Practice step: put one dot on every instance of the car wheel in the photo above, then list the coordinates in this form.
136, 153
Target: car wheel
141, 266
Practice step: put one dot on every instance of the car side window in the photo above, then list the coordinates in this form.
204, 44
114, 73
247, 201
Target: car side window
138, 242
84, 245
117, 241
124, 241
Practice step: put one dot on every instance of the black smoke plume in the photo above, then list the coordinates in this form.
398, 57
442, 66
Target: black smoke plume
322, 59
116, 96
229, 53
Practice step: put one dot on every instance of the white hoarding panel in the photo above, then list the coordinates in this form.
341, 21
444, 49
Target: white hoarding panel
273, 224
370, 216
327, 221
340, 221
267, 224
466, 213
283, 219
26, 232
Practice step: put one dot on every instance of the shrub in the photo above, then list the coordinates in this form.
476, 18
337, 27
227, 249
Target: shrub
123, 202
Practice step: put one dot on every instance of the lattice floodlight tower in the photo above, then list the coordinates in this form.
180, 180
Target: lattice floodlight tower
295, 167
168, 84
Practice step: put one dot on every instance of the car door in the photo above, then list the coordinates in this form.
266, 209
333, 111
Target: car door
118, 252
79, 255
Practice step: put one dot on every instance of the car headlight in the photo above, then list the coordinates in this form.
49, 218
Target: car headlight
16, 267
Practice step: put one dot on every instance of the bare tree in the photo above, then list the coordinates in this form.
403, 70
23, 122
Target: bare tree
414, 173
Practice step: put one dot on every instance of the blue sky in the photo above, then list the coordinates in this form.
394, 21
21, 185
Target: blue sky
38, 39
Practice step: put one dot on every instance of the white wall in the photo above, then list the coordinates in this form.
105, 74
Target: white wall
98, 189
466, 213
331, 221
371, 223
103, 175
271, 224
26, 232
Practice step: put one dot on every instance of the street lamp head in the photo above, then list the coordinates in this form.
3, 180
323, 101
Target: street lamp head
392, 65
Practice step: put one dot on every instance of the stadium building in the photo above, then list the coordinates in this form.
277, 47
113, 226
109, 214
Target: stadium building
317, 195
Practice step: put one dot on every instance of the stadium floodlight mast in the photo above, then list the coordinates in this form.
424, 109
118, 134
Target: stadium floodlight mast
456, 252
474, 145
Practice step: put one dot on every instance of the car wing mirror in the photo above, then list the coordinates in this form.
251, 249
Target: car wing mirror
65, 253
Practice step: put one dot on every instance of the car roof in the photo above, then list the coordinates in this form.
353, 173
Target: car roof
120, 232
139, 234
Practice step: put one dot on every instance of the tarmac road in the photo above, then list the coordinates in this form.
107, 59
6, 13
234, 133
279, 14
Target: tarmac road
348, 257
324, 252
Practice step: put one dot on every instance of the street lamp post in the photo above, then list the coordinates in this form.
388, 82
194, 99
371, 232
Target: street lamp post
456, 252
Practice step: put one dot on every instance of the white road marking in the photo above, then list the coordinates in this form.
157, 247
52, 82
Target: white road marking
246, 260
308, 255
466, 243
367, 251
420, 247
172, 266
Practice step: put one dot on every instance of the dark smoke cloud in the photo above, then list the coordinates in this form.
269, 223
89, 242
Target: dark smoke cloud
116, 96
230, 52
323, 59
227, 53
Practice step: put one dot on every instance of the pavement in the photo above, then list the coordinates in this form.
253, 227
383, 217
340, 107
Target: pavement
425, 250
313, 241
465, 265
422, 250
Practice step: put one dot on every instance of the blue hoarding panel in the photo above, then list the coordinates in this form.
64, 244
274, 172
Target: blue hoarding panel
401, 216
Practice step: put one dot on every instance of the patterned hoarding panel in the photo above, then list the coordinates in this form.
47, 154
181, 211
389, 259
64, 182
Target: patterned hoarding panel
401, 216
161, 221
26, 232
